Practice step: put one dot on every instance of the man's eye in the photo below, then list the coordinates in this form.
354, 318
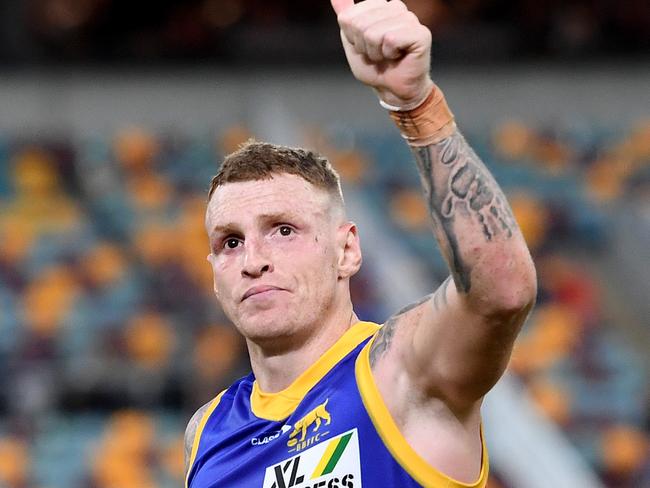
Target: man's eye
231, 243
285, 230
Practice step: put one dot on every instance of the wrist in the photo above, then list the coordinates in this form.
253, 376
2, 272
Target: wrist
426, 122
391, 101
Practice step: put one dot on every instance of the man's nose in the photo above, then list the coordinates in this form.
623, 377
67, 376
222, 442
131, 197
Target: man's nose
256, 260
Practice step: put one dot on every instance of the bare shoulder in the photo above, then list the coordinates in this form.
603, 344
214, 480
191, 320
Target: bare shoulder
190, 432
445, 437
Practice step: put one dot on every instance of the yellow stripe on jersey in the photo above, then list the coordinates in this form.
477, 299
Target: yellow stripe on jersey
325, 459
199, 432
404, 454
278, 406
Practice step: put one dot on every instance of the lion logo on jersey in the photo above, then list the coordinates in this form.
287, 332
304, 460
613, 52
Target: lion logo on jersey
316, 416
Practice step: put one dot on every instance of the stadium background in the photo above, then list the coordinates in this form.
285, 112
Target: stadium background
113, 117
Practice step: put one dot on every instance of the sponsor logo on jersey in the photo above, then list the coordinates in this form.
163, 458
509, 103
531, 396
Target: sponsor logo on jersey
334, 463
298, 439
267, 437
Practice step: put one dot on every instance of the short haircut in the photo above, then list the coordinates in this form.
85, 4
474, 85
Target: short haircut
255, 160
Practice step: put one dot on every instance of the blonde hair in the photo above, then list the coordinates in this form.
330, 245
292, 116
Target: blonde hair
261, 160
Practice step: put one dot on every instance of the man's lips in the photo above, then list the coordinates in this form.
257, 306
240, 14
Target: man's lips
256, 290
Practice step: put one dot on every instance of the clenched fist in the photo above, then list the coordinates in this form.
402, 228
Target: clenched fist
387, 48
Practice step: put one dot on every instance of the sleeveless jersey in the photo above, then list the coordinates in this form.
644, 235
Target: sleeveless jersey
329, 429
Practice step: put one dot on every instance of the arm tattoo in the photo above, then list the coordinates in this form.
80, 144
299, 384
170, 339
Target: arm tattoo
190, 433
385, 335
458, 187
382, 341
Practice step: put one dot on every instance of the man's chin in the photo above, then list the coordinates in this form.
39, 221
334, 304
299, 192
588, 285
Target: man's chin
262, 328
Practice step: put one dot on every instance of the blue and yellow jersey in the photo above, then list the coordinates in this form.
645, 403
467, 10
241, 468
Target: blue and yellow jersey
329, 429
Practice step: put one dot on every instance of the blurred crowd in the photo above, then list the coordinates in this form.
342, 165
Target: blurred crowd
36, 32
574, 358
107, 307
110, 336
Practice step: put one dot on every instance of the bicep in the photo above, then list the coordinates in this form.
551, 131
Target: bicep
459, 351
447, 349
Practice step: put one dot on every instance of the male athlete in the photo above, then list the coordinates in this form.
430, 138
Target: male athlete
334, 402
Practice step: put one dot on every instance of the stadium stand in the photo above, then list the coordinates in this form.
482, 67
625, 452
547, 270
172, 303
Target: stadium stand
110, 336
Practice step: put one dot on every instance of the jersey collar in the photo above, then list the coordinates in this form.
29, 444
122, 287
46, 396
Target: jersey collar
278, 406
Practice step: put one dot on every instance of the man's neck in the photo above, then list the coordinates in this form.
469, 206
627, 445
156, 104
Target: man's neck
275, 372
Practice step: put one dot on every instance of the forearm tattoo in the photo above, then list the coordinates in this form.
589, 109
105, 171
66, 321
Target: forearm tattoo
464, 200
459, 189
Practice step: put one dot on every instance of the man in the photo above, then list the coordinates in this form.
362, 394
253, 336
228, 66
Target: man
334, 402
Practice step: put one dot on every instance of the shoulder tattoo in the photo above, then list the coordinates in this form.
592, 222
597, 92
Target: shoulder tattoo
384, 338
190, 433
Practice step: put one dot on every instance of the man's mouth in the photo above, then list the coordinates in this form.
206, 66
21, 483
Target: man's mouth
260, 289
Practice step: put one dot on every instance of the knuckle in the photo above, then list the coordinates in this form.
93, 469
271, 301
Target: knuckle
424, 31
411, 17
368, 22
360, 24
344, 18
390, 39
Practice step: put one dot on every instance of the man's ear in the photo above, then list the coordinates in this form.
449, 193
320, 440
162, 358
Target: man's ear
349, 250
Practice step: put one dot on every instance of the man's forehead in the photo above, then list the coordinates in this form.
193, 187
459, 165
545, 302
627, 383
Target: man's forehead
282, 194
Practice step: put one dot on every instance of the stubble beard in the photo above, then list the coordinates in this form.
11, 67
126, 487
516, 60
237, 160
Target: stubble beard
283, 330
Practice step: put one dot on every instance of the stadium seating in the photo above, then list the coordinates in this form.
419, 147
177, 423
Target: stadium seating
110, 336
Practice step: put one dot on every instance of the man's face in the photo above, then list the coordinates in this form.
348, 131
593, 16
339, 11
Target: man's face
276, 250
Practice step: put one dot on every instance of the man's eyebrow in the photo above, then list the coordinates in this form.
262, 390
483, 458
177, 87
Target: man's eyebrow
232, 228
277, 216
224, 229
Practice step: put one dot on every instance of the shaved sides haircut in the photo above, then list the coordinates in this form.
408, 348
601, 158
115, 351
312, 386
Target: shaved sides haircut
261, 160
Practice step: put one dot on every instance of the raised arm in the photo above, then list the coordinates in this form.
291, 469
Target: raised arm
454, 344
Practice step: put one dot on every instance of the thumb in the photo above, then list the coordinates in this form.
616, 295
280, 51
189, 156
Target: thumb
341, 5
